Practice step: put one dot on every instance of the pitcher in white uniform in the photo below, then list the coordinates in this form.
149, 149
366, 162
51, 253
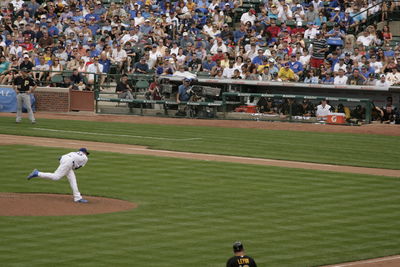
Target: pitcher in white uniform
68, 163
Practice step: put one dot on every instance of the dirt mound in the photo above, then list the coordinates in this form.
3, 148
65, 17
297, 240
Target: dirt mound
27, 204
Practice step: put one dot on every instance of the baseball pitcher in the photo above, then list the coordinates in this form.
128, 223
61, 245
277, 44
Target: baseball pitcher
68, 163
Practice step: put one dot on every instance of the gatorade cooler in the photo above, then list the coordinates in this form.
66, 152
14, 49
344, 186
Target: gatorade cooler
336, 118
251, 109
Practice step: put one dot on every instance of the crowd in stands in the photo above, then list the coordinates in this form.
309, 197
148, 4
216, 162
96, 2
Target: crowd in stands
310, 41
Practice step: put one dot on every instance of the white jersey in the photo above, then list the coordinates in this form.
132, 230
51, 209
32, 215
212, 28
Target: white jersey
79, 159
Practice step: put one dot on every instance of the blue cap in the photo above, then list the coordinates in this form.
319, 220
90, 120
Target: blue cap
84, 150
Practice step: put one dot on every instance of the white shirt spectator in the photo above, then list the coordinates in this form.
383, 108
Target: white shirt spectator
129, 38
393, 78
228, 72
17, 4
366, 40
95, 68
118, 56
305, 60
339, 66
380, 84
285, 15
248, 16
377, 66
310, 33
15, 50
215, 47
153, 58
340, 80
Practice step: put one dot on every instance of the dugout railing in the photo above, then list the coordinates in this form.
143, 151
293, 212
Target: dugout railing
231, 104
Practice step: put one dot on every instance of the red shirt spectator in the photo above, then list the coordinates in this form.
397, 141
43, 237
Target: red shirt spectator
273, 30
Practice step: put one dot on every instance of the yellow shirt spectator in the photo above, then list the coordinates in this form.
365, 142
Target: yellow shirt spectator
261, 68
286, 74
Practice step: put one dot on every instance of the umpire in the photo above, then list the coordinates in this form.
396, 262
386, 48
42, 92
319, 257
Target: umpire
24, 85
240, 259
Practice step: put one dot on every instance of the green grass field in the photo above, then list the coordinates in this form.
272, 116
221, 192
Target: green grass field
364, 150
190, 212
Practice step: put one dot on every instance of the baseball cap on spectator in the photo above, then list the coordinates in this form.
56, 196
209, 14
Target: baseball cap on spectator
227, 4
43, 16
185, 34
347, 54
337, 8
252, 11
271, 60
26, 56
147, 20
382, 75
299, 24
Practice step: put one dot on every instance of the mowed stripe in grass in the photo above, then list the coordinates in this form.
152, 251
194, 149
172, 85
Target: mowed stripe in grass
373, 151
191, 211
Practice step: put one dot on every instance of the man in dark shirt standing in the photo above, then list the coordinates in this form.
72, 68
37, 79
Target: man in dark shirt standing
23, 86
240, 259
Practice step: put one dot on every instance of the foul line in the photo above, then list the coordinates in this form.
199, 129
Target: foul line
120, 135
364, 262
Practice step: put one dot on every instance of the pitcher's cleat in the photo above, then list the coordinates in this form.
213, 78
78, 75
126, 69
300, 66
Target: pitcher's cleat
82, 201
33, 174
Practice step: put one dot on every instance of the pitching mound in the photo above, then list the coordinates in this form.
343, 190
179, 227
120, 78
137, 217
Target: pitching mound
18, 204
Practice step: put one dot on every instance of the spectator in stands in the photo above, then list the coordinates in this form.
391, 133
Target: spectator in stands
248, 16
296, 66
335, 37
287, 74
382, 83
95, 68
141, 67
320, 47
356, 78
340, 79
393, 77
327, 78
123, 89
77, 81
371, 79
119, 58
311, 78
26, 63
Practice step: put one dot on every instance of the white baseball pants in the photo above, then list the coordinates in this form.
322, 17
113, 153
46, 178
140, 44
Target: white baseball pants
65, 169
